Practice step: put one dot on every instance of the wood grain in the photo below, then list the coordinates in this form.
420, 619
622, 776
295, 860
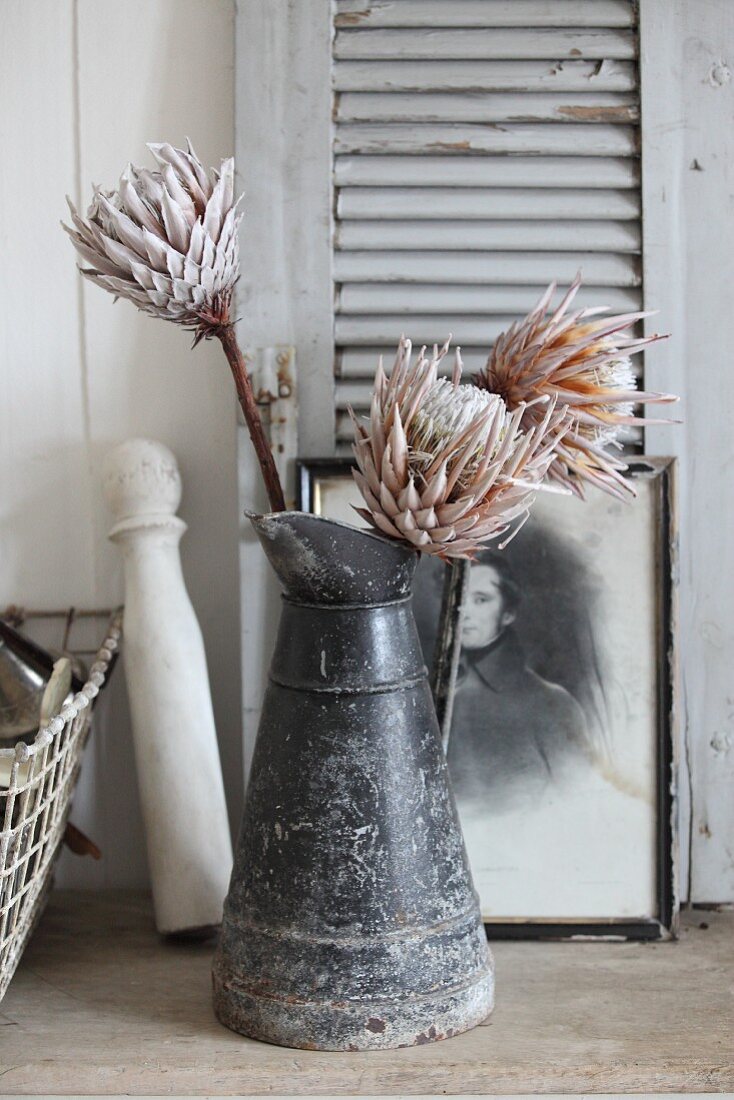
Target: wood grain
452, 139
484, 13
472, 203
490, 268
484, 76
426, 106
516, 43
461, 171
402, 298
688, 226
453, 235
100, 1005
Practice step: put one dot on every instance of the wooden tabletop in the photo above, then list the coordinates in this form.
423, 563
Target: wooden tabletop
100, 1005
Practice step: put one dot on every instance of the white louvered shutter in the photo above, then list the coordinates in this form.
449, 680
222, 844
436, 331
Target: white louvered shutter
481, 148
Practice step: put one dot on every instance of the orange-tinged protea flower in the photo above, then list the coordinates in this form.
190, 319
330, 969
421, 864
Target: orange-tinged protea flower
445, 467
585, 364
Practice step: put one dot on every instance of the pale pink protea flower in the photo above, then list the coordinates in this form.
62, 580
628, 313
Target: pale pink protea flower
168, 242
445, 467
586, 365
165, 240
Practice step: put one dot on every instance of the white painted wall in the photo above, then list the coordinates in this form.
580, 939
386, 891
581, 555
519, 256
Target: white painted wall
84, 84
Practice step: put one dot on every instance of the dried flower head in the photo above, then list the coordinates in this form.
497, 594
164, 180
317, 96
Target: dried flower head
166, 240
445, 467
586, 365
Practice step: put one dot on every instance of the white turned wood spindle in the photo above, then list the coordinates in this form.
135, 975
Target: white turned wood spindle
176, 753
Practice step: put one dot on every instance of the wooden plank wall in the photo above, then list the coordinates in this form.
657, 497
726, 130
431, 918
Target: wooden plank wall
84, 84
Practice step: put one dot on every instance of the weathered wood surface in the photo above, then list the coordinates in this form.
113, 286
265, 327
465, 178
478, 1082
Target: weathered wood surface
457, 171
490, 268
100, 1005
524, 138
454, 301
484, 236
537, 103
425, 106
484, 76
484, 13
285, 295
688, 203
515, 43
472, 203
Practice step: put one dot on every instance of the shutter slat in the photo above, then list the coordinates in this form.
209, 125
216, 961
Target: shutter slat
464, 204
484, 13
489, 268
523, 43
485, 76
483, 236
437, 171
592, 107
395, 299
561, 139
433, 329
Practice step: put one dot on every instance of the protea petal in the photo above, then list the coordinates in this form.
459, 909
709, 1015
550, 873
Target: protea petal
436, 487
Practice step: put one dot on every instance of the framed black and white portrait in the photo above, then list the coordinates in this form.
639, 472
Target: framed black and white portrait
554, 674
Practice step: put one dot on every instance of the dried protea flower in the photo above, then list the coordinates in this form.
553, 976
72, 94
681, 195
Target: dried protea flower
445, 467
167, 241
586, 365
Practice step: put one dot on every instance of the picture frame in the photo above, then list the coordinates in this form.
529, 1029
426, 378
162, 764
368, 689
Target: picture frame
642, 610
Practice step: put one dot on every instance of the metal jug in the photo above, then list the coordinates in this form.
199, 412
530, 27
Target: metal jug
351, 921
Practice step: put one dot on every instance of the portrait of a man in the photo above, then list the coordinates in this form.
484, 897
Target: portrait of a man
550, 741
513, 732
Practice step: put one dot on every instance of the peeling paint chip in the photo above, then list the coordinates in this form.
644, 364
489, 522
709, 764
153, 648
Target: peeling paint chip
374, 1024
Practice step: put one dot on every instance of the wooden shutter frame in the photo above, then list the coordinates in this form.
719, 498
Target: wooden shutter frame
284, 118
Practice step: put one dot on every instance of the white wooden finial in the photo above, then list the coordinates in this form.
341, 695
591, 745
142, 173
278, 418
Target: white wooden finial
141, 479
179, 773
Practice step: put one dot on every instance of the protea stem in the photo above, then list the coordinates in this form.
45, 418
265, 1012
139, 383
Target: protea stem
252, 416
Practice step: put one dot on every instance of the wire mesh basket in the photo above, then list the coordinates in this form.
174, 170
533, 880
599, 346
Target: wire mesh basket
37, 781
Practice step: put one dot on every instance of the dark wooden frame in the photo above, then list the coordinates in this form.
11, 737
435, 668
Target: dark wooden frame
663, 924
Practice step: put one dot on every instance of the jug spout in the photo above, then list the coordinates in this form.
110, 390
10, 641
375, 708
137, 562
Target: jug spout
320, 561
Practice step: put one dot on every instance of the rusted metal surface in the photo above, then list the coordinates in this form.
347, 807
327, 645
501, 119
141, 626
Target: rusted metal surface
351, 921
